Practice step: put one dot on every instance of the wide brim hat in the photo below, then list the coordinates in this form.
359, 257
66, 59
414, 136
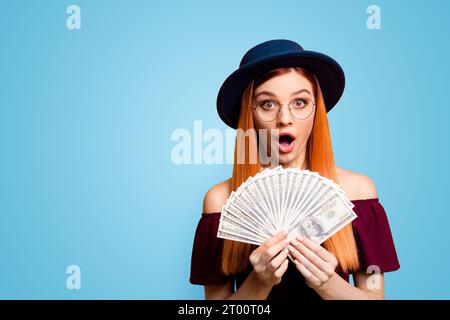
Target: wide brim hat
274, 54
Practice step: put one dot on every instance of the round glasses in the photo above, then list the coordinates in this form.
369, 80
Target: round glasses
269, 110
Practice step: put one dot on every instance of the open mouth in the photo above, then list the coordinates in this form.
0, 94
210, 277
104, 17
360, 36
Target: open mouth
286, 141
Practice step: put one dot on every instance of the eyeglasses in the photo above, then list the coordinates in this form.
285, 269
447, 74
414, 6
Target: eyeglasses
269, 110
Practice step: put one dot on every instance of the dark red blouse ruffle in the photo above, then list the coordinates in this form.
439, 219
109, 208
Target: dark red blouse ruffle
372, 233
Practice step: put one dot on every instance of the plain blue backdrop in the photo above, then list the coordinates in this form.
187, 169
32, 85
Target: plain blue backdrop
86, 118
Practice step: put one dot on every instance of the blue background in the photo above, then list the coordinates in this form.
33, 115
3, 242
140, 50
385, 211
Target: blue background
86, 118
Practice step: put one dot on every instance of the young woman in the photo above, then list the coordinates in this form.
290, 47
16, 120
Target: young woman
287, 90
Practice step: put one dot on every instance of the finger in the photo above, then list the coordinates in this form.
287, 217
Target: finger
294, 252
278, 260
282, 269
319, 274
276, 238
291, 257
308, 264
312, 256
311, 278
318, 249
271, 252
270, 242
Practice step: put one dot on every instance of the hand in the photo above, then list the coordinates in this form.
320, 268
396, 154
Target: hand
313, 261
269, 260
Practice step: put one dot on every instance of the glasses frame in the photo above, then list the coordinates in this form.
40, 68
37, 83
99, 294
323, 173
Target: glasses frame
289, 108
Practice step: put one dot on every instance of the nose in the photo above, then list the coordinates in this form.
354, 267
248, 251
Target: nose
284, 117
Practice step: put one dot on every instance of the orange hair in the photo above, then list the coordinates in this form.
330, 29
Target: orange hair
319, 158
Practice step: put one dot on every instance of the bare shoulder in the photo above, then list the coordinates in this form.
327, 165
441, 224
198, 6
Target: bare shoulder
216, 196
356, 185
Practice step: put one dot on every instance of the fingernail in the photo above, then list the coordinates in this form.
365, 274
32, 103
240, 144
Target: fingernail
284, 233
300, 238
291, 248
295, 242
286, 241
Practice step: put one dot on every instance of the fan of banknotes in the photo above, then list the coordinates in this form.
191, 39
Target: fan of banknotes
300, 201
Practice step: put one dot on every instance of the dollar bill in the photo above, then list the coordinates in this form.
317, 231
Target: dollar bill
324, 222
300, 201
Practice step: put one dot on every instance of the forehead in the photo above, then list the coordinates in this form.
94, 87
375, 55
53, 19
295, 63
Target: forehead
284, 85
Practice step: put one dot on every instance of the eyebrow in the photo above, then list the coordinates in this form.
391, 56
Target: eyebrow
271, 94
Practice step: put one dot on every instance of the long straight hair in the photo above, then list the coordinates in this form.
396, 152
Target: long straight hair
319, 158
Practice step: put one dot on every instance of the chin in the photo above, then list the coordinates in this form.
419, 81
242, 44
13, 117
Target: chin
286, 158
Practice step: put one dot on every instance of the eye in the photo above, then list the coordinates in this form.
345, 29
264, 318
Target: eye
299, 103
267, 105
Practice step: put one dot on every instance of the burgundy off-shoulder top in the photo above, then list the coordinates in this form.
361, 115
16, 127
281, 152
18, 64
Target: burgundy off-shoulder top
373, 238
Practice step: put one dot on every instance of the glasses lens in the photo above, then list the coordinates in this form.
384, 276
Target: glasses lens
267, 110
301, 108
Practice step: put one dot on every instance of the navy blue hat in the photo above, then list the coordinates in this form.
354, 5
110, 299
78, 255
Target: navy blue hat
274, 54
